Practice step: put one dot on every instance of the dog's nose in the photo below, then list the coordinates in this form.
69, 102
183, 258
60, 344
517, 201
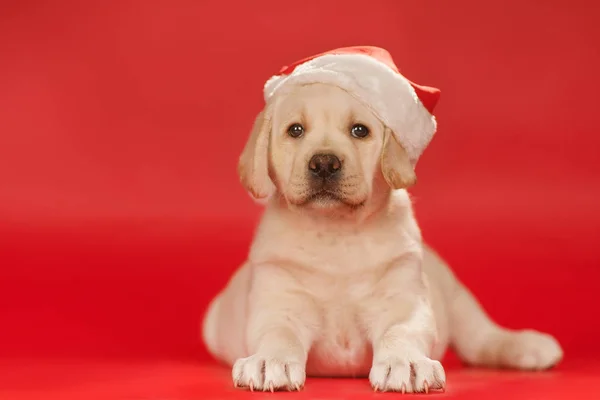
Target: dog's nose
324, 165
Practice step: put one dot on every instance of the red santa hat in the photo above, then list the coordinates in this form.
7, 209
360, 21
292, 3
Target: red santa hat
369, 74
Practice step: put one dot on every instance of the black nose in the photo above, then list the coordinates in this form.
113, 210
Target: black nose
324, 165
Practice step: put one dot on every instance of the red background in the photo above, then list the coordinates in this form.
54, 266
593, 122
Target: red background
121, 214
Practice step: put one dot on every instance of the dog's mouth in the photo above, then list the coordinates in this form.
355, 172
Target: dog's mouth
323, 196
327, 199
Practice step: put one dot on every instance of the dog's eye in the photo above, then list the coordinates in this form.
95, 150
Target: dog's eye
359, 131
295, 130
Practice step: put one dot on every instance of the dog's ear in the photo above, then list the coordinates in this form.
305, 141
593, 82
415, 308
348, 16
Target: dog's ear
253, 165
396, 166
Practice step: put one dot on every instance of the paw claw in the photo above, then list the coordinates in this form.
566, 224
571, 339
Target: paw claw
259, 373
410, 375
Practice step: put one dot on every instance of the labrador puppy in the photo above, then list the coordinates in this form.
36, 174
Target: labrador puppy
338, 282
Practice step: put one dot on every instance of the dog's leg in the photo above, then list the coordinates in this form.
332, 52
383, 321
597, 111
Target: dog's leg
281, 321
402, 329
479, 341
225, 320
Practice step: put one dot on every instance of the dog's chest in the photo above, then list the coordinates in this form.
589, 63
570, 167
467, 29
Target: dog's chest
347, 254
340, 273
341, 347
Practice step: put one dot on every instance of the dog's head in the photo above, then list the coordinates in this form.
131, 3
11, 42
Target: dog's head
321, 149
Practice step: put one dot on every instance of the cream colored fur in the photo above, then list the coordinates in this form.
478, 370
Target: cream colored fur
345, 286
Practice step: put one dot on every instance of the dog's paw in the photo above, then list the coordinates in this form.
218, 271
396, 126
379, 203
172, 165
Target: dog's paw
418, 375
268, 374
530, 350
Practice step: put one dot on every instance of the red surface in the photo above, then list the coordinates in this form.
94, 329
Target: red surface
121, 214
179, 380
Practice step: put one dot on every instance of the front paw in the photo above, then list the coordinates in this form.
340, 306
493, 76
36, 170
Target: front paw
258, 372
417, 375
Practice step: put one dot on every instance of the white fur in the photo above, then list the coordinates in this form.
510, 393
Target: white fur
334, 292
358, 295
388, 94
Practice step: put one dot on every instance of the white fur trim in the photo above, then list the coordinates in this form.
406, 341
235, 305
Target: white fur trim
388, 94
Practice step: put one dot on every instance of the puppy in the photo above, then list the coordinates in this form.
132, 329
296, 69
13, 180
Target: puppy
338, 282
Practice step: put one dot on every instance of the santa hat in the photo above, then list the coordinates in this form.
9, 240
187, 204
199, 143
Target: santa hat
369, 74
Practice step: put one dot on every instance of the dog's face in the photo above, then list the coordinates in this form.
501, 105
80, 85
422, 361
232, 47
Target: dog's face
321, 148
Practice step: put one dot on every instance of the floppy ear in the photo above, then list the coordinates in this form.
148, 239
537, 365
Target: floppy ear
253, 165
396, 167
